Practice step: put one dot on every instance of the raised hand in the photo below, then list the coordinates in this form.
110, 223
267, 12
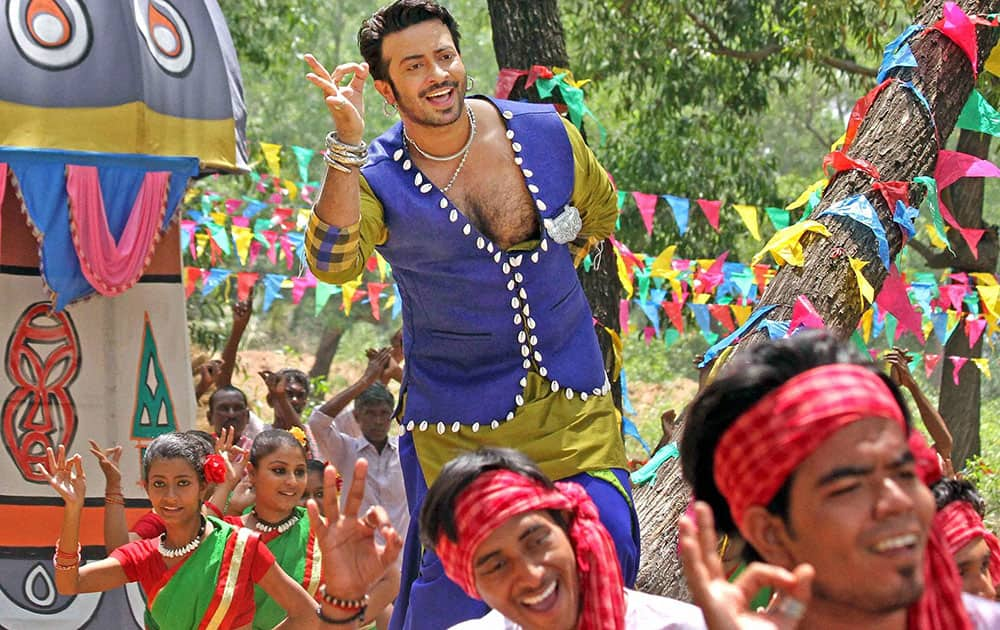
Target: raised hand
66, 476
899, 372
346, 103
726, 605
243, 496
234, 456
352, 560
275, 383
242, 310
108, 460
378, 362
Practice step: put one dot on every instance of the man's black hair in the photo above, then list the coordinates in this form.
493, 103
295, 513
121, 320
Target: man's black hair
374, 394
751, 377
221, 390
950, 490
315, 465
438, 512
295, 375
393, 18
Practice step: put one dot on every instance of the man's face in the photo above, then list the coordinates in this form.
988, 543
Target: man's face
860, 515
229, 409
297, 395
426, 74
526, 569
374, 419
973, 562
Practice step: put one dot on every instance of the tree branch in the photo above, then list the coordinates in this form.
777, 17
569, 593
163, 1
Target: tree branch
848, 66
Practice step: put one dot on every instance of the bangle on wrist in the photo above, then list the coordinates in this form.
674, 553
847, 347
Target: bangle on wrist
116, 498
214, 509
343, 604
358, 616
60, 558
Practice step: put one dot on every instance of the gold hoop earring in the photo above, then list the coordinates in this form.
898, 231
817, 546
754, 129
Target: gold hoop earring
470, 82
388, 109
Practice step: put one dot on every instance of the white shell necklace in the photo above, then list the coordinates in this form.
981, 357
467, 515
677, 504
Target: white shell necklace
177, 552
463, 152
281, 527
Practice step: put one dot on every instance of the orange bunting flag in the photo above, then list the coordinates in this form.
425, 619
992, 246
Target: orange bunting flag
711, 211
722, 313
192, 276
374, 294
244, 284
674, 313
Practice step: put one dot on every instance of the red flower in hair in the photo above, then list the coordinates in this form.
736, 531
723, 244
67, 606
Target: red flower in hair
215, 469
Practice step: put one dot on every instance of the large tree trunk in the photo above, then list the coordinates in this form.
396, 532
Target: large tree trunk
898, 138
327, 349
959, 404
528, 33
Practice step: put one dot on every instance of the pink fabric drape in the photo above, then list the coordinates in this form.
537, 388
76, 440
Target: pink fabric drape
110, 267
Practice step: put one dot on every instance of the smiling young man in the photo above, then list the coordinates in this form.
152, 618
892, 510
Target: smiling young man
482, 207
534, 551
976, 549
808, 451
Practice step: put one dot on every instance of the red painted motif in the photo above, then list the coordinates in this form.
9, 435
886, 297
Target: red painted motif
42, 360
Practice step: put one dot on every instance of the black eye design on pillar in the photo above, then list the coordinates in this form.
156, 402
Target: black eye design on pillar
166, 34
51, 34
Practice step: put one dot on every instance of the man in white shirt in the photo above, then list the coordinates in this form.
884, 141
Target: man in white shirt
373, 411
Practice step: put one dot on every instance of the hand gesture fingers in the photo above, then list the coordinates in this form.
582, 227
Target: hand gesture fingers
346, 103
66, 476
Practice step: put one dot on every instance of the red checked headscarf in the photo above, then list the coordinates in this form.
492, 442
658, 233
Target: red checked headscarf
498, 495
766, 444
960, 524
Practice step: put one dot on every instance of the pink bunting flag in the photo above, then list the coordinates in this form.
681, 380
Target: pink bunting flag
506, 80
954, 293
804, 314
957, 27
286, 247
713, 276
930, 362
272, 252
648, 333
673, 311
244, 283
974, 327
299, 286
952, 166
630, 259
960, 277
241, 222
957, 363
255, 247
233, 205
711, 210
623, 316
894, 299
647, 208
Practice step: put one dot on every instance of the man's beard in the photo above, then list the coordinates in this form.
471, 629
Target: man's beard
412, 110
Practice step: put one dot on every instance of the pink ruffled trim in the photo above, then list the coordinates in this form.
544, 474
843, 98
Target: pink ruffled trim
110, 267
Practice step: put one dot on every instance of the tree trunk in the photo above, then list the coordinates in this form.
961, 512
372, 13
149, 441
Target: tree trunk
660, 504
897, 137
959, 404
528, 33
327, 349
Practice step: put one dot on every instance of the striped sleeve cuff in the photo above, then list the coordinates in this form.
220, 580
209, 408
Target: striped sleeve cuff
330, 249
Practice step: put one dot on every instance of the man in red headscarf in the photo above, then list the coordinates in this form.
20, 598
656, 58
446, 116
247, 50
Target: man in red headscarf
806, 449
535, 551
975, 549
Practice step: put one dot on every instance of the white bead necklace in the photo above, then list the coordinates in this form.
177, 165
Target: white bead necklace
464, 151
167, 552
281, 527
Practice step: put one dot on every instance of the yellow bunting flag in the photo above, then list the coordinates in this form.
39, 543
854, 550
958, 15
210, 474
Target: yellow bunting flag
219, 218
287, 284
663, 264
701, 298
953, 318
347, 291
993, 63
928, 328
749, 216
984, 366
741, 313
200, 241
569, 77
272, 155
990, 295
242, 236
293, 190
785, 247
986, 279
804, 197
616, 346
623, 276
839, 142
866, 324
864, 287
383, 266
936, 239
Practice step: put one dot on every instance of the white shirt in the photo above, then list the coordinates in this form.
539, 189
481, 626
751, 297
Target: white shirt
642, 612
384, 484
347, 423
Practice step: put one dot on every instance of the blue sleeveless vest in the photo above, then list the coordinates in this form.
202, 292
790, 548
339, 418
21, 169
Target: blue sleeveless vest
477, 318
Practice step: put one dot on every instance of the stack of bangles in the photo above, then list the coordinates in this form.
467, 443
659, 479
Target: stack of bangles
342, 156
116, 498
66, 561
357, 606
